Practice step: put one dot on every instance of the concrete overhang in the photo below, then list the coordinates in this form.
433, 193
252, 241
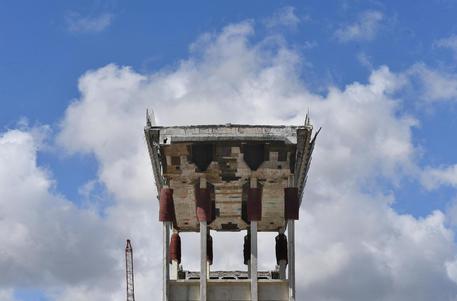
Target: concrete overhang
227, 156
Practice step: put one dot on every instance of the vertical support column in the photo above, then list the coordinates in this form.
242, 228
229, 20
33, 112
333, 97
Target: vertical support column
282, 269
291, 212
203, 262
249, 262
209, 253
281, 253
253, 263
203, 251
291, 257
175, 254
247, 251
166, 266
166, 216
174, 270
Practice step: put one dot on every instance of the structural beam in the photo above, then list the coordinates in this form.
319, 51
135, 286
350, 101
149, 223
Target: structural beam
152, 139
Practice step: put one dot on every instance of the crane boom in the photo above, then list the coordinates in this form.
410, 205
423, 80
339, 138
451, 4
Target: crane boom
129, 271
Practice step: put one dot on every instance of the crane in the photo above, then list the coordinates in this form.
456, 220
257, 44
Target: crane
129, 271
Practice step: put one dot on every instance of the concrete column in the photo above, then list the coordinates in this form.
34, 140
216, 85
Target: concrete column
282, 269
174, 270
247, 251
249, 268
282, 262
174, 265
253, 263
291, 257
166, 266
203, 260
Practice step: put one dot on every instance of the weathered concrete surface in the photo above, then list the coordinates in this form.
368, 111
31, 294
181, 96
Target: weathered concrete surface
228, 132
228, 290
189, 275
232, 160
228, 156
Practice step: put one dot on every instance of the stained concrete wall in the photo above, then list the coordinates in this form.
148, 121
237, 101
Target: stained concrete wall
228, 290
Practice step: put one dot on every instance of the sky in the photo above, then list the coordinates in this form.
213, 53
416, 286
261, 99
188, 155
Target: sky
379, 213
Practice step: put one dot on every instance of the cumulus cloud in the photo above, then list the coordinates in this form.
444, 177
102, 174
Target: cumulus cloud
451, 268
354, 245
364, 28
434, 177
436, 85
94, 24
48, 242
351, 244
44, 236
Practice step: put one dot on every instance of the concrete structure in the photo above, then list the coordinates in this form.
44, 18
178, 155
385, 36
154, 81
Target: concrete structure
230, 178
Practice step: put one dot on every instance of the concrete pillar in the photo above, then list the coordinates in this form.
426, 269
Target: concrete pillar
291, 257
209, 253
166, 266
174, 266
282, 262
203, 257
253, 263
174, 270
249, 268
282, 269
247, 251
203, 261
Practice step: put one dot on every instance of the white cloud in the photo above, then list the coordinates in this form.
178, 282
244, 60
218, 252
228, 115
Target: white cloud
436, 85
48, 243
7, 295
44, 237
449, 42
451, 268
351, 244
364, 29
451, 213
434, 177
78, 23
284, 17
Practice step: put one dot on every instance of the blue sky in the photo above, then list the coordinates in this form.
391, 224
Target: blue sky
54, 54
42, 57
